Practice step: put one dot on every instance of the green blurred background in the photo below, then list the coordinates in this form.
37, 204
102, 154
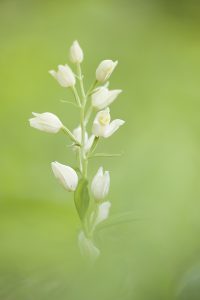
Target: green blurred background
157, 254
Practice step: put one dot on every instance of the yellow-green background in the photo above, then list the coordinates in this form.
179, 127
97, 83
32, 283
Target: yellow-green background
156, 255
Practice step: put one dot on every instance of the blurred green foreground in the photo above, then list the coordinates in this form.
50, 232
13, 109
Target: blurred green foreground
154, 256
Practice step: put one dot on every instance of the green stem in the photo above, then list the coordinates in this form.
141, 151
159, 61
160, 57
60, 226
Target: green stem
81, 83
91, 88
76, 96
82, 119
79, 159
88, 114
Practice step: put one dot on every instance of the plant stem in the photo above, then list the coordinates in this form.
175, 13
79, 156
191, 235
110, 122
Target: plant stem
79, 159
81, 83
88, 114
76, 96
83, 158
91, 88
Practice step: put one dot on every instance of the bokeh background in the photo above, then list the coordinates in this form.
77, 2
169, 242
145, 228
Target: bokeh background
156, 253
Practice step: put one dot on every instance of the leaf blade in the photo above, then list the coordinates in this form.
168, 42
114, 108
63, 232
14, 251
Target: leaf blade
82, 198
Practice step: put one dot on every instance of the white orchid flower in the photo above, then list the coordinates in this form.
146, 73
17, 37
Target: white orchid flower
103, 97
101, 215
76, 53
77, 132
65, 175
102, 126
105, 69
100, 184
64, 76
47, 122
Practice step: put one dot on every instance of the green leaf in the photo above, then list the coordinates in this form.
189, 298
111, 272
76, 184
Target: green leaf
69, 102
105, 155
82, 198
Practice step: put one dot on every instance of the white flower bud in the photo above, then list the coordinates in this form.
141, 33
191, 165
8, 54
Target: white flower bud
87, 247
105, 69
76, 53
65, 175
102, 97
77, 132
102, 126
100, 184
101, 215
64, 76
103, 212
47, 122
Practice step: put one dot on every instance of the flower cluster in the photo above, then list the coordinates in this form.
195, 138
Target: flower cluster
90, 202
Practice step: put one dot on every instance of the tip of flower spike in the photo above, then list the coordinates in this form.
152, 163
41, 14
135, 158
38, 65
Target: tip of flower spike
54, 163
35, 114
100, 171
115, 63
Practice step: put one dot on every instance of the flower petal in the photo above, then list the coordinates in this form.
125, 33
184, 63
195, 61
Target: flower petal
113, 126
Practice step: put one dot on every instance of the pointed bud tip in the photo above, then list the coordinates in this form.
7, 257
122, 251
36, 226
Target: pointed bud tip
52, 73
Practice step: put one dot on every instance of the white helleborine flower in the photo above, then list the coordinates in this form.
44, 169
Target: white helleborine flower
102, 126
65, 175
76, 53
87, 247
100, 184
64, 76
47, 122
102, 97
77, 132
102, 214
105, 69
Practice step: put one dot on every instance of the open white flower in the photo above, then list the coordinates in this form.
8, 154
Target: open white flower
65, 175
87, 247
103, 97
47, 122
77, 132
100, 184
105, 69
76, 53
102, 126
64, 76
